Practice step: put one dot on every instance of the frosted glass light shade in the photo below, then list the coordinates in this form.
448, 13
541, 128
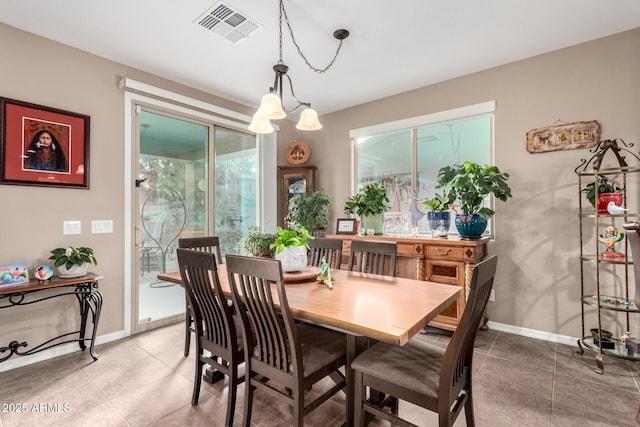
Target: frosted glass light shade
260, 124
271, 107
308, 120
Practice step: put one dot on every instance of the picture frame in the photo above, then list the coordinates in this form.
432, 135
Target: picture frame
13, 274
396, 223
43, 146
346, 226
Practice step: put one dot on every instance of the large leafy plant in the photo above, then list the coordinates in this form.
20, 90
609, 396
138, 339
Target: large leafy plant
468, 184
290, 238
310, 210
73, 256
371, 199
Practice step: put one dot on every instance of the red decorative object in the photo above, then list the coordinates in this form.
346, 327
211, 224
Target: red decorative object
605, 198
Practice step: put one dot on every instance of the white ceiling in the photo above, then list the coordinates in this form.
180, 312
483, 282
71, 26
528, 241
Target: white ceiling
395, 46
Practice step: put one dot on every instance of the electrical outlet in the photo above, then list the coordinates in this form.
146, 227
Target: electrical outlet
71, 227
492, 295
101, 226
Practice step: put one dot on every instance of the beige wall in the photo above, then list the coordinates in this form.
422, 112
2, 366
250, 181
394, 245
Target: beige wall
537, 235
43, 72
538, 282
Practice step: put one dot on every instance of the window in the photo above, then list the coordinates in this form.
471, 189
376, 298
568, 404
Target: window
407, 155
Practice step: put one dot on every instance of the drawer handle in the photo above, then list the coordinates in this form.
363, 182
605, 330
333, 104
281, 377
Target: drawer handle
443, 251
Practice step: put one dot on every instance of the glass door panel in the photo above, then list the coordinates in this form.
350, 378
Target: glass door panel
173, 197
236, 183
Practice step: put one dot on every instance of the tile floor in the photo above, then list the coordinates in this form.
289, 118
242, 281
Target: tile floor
145, 380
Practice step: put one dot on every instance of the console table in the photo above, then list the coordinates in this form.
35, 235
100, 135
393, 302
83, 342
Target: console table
448, 261
85, 289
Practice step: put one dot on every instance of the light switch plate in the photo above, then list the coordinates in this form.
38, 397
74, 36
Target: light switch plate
102, 226
71, 227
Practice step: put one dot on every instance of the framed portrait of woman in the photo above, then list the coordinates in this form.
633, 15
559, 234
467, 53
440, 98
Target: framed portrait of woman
43, 146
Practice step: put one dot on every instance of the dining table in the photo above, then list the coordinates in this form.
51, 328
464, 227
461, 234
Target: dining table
383, 308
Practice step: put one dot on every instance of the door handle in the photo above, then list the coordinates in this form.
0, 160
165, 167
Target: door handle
443, 251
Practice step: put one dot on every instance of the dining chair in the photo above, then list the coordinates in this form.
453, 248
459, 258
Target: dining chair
214, 323
288, 358
435, 378
327, 248
209, 244
375, 257
633, 236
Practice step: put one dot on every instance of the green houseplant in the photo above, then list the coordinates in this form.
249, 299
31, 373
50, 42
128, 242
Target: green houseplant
256, 242
291, 248
309, 211
467, 185
369, 203
438, 214
607, 192
73, 262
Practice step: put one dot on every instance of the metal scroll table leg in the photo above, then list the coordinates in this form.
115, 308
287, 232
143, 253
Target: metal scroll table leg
599, 363
96, 298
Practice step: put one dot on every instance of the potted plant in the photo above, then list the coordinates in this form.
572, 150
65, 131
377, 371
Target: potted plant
309, 211
73, 262
467, 185
438, 214
606, 193
291, 248
256, 242
369, 203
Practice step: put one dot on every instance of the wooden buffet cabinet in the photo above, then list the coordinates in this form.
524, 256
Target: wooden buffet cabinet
449, 261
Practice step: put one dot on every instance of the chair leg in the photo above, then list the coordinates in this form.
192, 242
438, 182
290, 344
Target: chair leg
468, 409
358, 414
233, 388
197, 381
248, 398
298, 408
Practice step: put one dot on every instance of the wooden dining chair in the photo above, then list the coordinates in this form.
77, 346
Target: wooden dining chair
633, 236
327, 248
288, 357
209, 244
425, 374
214, 323
375, 257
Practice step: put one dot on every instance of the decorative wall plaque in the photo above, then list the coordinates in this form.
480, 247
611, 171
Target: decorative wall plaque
567, 136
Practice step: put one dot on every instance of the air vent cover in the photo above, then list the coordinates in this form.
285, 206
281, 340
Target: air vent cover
227, 22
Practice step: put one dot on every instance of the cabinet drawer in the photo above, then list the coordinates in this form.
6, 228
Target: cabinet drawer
444, 252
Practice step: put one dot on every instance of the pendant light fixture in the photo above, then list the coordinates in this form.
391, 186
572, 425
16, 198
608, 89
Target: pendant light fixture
272, 106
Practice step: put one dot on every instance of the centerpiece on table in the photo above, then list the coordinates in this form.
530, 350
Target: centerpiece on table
73, 262
291, 248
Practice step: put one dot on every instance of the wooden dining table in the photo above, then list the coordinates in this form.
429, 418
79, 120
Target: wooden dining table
388, 309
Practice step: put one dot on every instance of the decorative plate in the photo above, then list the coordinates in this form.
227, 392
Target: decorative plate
298, 152
307, 275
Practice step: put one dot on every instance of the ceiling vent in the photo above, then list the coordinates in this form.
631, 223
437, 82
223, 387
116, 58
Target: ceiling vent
227, 22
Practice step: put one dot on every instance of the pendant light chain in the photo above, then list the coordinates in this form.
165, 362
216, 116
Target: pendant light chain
283, 12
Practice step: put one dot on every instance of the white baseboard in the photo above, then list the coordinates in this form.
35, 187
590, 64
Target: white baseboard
21, 361
534, 333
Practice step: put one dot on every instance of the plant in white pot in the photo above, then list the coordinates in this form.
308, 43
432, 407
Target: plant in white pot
73, 262
468, 184
369, 203
291, 248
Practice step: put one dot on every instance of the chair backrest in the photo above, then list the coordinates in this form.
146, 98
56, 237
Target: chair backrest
213, 317
277, 350
204, 244
327, 248
633, 236
370, 256
457, 361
